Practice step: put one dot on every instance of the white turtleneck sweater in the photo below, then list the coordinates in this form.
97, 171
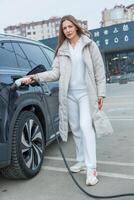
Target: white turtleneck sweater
77, 80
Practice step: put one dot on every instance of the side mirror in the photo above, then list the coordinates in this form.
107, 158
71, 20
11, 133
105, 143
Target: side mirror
38, 69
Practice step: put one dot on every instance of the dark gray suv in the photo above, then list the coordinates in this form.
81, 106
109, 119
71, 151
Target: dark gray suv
28, 115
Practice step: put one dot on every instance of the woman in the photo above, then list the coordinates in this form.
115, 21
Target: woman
79, 68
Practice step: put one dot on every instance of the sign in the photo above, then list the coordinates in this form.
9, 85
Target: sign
116, 36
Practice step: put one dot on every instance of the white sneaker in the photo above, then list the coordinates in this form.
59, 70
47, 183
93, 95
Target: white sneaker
91, 177
79, 166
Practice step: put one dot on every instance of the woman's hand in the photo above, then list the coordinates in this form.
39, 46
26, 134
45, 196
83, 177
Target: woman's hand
100, 102
28, 80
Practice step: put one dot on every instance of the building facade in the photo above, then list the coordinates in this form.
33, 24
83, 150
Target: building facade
118, 14
116, 44
39, 30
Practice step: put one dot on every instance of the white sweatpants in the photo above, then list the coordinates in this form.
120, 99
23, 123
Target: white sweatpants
81, 126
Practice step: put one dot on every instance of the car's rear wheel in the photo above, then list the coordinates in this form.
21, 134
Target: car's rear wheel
27, 147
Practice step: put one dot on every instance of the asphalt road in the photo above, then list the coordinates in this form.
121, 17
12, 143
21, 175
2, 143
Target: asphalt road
114, 155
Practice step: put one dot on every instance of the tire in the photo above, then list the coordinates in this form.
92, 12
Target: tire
28, 147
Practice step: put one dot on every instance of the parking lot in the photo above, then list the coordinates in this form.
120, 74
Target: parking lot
114, 155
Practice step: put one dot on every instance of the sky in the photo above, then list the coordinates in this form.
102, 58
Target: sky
14, 12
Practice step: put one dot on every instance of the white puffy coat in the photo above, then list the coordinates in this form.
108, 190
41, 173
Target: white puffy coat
95, 78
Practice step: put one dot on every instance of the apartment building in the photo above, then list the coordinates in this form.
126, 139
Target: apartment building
118, 14
39, 30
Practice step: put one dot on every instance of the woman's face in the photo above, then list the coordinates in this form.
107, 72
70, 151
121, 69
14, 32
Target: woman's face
69, 30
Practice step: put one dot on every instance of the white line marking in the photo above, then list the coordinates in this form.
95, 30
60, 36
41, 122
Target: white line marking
120, 109
57, 169
122, 119
119, 103
116, 175
99, 162
121, 96
112, 175
116, 163
59, 158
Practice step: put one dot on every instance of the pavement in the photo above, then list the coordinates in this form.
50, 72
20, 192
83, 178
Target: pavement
115, 160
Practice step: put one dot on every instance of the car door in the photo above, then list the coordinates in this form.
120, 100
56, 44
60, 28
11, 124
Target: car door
49, 53
6, 51
50, 90
8, 70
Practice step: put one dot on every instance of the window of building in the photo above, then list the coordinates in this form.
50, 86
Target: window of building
118, 64
113, 65
28, 33
131, 62
123, 63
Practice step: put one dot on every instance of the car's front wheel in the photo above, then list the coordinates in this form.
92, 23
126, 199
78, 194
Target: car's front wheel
27, 147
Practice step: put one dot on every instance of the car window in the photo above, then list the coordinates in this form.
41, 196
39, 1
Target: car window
7, 56
49, 53
35, 55
21, 58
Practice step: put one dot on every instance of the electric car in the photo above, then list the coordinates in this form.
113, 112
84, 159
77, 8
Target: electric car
28, 114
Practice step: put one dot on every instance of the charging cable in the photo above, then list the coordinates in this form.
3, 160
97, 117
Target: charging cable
17, 84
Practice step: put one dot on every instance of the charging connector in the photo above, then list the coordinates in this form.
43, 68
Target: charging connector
18, 83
